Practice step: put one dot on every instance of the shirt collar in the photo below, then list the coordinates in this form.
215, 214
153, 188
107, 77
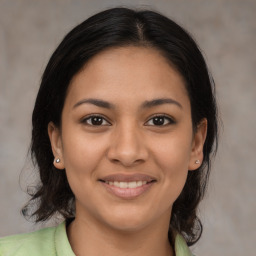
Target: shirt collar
180, 245
62, 245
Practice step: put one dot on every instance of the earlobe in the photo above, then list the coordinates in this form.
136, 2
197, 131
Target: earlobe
56, 143
197, 156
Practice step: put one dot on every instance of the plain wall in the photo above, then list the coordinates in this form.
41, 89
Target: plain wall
226, 32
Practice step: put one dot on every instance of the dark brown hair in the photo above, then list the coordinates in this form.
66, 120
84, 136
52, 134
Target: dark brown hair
114, 28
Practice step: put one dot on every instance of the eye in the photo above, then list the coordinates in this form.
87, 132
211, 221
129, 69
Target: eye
160, 120
95, 120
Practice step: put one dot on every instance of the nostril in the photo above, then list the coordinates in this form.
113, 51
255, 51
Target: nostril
127, 161
127, 150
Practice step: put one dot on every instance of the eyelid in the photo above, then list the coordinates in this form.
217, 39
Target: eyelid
169, 118
84, 120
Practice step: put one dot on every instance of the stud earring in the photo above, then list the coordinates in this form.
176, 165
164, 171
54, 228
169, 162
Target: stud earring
197, 162
57, 160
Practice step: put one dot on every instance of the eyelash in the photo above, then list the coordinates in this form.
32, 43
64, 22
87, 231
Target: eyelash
165, 117
85, 120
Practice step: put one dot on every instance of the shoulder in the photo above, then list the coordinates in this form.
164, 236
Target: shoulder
40, 242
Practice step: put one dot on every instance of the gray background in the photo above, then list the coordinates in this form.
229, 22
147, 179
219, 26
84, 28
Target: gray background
226, 32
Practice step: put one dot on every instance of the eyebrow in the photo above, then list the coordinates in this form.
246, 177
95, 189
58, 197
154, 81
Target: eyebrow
96, 102
146, 104
157, 102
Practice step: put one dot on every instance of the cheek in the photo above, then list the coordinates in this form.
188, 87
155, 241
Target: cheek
173, 158
80, 148
81, 154
173, 152
81, 158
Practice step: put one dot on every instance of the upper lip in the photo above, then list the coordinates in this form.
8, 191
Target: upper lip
128, 177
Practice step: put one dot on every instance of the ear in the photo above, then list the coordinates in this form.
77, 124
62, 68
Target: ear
198, 145
56, 143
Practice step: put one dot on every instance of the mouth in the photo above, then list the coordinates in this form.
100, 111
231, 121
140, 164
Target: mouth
127, 186
132, 184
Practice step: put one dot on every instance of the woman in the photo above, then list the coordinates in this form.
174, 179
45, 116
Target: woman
124, 127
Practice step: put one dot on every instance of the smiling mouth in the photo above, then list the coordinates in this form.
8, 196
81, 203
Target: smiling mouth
127, 186
123, 184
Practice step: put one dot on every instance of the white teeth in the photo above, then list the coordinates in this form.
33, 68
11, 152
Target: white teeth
139, 183
132, 184
123, 185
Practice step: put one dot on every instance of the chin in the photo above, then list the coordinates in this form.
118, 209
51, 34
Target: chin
127, 226
128, 221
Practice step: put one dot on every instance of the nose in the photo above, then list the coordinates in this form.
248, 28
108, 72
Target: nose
127, 146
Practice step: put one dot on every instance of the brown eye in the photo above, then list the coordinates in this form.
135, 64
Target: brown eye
160, 121
95, 121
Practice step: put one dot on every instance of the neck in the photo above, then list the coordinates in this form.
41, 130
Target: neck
86, 238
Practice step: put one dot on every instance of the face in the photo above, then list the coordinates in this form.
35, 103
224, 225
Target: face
126, 140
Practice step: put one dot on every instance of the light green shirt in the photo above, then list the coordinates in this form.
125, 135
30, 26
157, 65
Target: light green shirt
54, 242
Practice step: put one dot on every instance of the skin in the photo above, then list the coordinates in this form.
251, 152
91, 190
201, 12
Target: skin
127, 142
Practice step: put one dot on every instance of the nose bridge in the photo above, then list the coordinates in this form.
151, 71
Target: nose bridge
127, 145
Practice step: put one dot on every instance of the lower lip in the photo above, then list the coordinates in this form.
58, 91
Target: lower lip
127, 193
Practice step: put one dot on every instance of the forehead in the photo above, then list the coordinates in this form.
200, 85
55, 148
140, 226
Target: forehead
127, 73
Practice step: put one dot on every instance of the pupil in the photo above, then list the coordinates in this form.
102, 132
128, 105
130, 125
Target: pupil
96, 120
158, 120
